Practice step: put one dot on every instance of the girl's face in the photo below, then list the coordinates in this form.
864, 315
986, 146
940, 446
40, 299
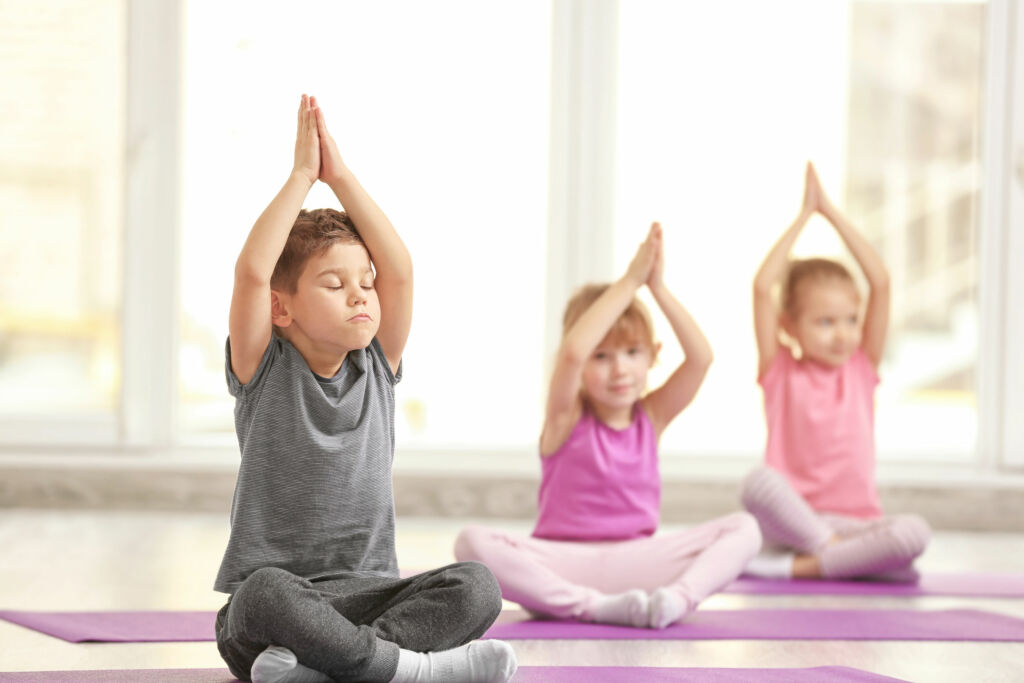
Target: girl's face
827, 324
615, 375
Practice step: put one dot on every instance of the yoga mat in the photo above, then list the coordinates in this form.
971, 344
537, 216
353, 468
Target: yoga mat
645, 674
525, 674
770, 624
783, 624
118, 627
978, 585
122, 676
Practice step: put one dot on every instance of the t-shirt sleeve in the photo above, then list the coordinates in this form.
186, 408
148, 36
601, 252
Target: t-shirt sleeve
235, 387
771, 376
380, 359
865, 368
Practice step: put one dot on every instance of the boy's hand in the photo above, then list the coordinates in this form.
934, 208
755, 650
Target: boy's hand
307, 142
657, 276
640, 267
331, 165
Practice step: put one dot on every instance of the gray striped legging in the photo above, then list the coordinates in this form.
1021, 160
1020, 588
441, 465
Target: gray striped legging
865, 547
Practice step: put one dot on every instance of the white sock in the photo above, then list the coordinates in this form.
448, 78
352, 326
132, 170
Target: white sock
667, 607
771, 565
279, 665
482, 661
628, 609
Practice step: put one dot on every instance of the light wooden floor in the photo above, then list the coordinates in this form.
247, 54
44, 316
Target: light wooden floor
62, 560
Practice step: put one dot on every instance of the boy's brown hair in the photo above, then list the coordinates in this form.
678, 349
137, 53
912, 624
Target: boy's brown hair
803, 271
634, 326
313, 233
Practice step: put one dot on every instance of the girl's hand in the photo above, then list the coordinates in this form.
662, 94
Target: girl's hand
657, 276
812, 191
819, 200
307, 142
331, 165
640, 267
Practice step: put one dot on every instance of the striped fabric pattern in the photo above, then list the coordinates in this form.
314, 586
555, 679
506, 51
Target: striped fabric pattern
314, 493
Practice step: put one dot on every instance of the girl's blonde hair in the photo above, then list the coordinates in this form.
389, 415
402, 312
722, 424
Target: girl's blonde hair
634, 326
803, 272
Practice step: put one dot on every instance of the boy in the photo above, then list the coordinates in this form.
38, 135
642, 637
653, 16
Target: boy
314, 350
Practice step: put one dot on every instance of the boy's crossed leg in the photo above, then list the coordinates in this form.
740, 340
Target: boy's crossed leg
279, 627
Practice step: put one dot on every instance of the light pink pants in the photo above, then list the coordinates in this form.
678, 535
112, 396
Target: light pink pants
883, 548
564, 579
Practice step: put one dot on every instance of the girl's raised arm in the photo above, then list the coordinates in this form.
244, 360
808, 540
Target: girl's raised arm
668, 400
564, 406
876, 315
766, 315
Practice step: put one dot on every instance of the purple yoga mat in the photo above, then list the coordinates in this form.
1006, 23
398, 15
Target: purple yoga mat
771, 624
645, 674
976, 584
783, 624
118, 627
526, 674
122, 675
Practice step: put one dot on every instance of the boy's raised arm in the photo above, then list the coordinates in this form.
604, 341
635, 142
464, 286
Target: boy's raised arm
668, 400
249, 321
766, 315
876, 315
391, 259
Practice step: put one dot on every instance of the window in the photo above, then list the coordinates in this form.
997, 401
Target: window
61, 174
717, 117
441, 110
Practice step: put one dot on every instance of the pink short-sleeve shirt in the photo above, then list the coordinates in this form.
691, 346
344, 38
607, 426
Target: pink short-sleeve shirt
821, 431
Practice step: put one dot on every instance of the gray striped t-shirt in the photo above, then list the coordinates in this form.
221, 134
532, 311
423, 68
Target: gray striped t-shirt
314, 493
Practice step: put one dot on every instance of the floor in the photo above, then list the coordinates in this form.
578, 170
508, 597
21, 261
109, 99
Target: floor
64, 560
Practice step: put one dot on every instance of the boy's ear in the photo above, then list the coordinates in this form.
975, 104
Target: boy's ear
657, 350
279, 314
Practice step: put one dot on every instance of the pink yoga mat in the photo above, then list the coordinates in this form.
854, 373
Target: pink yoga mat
783, 624
526, 674
976, 584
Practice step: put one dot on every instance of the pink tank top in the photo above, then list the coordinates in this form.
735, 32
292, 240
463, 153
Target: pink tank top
602, 484
821, 431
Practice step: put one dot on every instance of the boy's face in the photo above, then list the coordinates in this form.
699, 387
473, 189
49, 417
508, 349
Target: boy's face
827, 325
335, 306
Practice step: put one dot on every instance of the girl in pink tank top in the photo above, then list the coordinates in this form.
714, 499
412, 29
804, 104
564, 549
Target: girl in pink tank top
816, 498
593, 554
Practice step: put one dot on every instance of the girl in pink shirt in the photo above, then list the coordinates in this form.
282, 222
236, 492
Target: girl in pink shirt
816, 498
593, 554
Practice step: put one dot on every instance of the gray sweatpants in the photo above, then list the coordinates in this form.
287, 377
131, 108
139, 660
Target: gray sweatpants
350, 628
